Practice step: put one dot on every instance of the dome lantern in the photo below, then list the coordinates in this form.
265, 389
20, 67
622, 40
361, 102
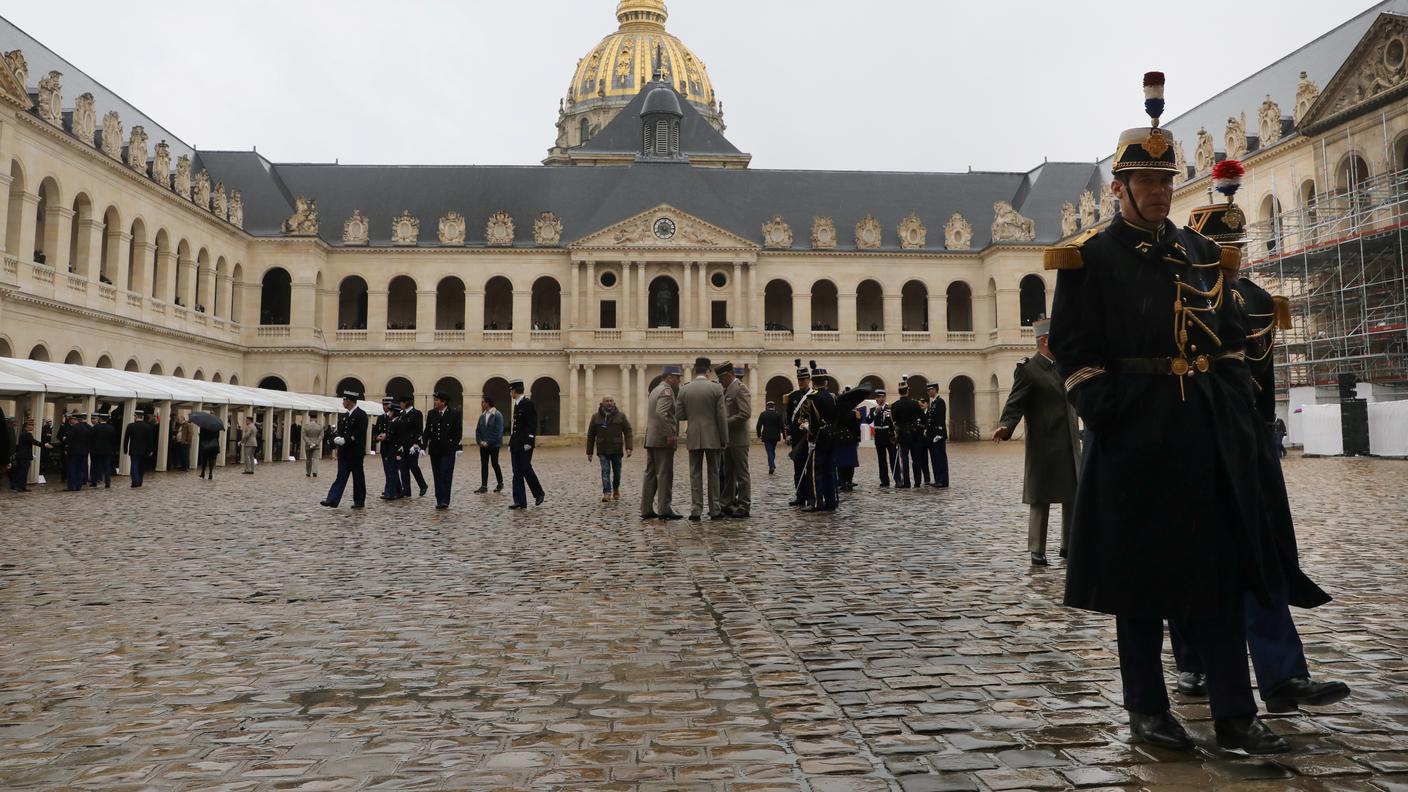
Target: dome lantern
643, 13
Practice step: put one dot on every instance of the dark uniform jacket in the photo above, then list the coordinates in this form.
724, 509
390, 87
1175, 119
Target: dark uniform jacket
882, 425
411, 429
524, 431
798, 407
848, 427
908, 418
444, 431
936, 421
1169, 519
1053, 442
769, 427
139, 438
79, 439
1259, 310
25, 445
105, 439
352, 428
387, 428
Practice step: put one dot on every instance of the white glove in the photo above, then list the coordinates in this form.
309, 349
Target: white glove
527, 447
339, 441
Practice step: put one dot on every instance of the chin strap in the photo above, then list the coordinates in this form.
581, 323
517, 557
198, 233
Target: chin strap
1129, 193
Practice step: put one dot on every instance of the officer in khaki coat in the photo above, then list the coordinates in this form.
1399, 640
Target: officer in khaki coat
312, 436
736, 485
702, 406
662, 436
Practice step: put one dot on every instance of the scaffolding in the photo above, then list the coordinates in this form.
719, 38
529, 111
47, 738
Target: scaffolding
1340, 259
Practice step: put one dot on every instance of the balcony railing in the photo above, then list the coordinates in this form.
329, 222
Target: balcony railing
545, 336
44, 274
400, 336
77, 283
914, 337
107, 292
498, 336
721, 334
826, 336
1028, 332
12, 266
664, 334
273, 331
962, 337
870, 336
606, 335
352, 336
780, 336
134, 300
449, 336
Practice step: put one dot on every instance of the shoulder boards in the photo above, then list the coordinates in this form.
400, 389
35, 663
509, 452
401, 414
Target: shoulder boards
1068, 256
1283, 312
1231, 260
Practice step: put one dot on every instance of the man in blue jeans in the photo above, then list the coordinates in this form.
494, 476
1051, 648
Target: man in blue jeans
609, 436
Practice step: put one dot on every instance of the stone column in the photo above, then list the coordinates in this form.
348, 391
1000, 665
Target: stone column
938, 315
5, 181
627, 398
269, 435
165, 286
701, 300
522, 314
642, 297
225, 298
846, 314
36, 414
29, 216
759, 400
1009, 307
205, 288
163, 434
473, 313
573, 401
425, 314
376, 315
58, 228
224, 436
756, 299
642, 397
801, 316
591, 318
892, 313
303, 303
140, 268
589, 405
571, 297
88, 258
186, 284
686, 292
120, 250
289, 449
124, 464
735, 312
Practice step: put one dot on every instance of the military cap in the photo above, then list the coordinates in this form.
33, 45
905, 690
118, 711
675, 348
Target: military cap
516, 384
931, 386
703, 362
444, 397
138, 413
392, 407
387, 399
671, 368
725, 367
1041, 327
880, 392
1222, 222
1148, 148
739, 371
803, 372
78, 415
406, 397
351, 394
772, 404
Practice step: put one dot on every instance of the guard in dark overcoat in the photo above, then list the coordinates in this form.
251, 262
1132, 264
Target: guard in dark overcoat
412, 441
523, 439
1168, 510
444, 439
350, 438
138, 441
936, 436
794, 407
1052, 443
882, 431
387, 435
909, 431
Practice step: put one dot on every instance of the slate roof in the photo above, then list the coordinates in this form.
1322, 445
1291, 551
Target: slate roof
1320, 59
622, 134
75, 82
591, 199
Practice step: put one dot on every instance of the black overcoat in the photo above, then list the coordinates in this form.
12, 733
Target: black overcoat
352, 428
1053, 442
1168, 519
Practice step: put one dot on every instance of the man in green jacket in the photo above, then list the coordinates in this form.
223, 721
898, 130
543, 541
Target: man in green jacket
609, 437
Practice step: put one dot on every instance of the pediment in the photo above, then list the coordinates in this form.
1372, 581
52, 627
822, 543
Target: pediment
11, 88
1375, 71
663, 227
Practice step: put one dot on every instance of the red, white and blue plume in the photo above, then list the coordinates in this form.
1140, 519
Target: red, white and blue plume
1154, 95
1227, 177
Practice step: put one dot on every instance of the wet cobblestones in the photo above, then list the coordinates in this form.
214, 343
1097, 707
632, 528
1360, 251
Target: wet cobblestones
236, 636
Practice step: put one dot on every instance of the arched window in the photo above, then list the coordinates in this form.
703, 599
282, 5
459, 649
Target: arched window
179, 372
1351, 178
664, 306
352, 303
79, 255
347, 384
547, 304
777, 306
584, 132
960, 307
401, 304
547, 397
992, 301
914, 307
104, 362
496, 388
449, 304
39, 353
452, 389
46, 222
870, 307
962, 418
273, 383
1033, 299
778, 387
132, 365
824, 306
397, 387
15, 210
74, 358
1270, 219
156, 369
498, 304
275, 297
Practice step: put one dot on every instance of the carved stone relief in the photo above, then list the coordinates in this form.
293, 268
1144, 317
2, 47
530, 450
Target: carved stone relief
452, 229
823, 233
958, 233
405, 228
1180, 161
356, 230
137, 150
304, 220
51, 98
201, 193
19, 66
1107, 202
237, 209
1306, 94
161, 165
1087, 209
1269, 122
221, 206
868, 233
1236, 137
1069, 223
1008, 225
499, 231
1204, 155
912, 232
547, 230
112, 135
777, 234
1383, 68
84, 123
182, 182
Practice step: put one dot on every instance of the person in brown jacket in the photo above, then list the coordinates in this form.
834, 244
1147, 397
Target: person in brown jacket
609, 437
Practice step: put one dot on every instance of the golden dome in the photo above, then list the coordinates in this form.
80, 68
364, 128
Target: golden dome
615, 70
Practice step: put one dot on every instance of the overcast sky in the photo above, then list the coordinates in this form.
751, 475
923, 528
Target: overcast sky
915, 85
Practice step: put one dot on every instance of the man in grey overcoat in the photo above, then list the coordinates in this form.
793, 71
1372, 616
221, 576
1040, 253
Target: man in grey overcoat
311, 436
736, 484
662, 436
1053, 443
702, 407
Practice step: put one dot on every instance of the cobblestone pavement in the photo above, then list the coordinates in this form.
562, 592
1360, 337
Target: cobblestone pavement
236, 636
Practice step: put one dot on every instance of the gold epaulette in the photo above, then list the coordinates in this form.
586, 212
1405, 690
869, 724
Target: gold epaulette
1067, 256
1283, 312
1231, 259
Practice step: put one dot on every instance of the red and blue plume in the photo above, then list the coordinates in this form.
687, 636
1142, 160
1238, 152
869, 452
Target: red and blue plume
1227, 177
1154, 95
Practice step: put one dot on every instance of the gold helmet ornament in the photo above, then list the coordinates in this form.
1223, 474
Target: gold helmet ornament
1147, 148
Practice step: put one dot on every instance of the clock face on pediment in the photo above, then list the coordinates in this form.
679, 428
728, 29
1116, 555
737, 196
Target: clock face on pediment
664, 228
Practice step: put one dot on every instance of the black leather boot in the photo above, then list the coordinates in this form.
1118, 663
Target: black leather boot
1193, 684
1287, 696
1161, 730
1249, 734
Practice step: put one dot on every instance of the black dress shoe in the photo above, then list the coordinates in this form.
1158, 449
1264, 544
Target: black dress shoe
1193, 684
538, 501
328, 504
884, 485
516, 506
1039, 559
739, 514
441, 506
1062, 554
499, 488
794, 503
694, 518
1249, 734
650, 516
1161, 730
359, 505
672, 516
1287, 696
481, 490
423, 490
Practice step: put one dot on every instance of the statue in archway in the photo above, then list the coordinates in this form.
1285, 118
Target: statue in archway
664, 308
